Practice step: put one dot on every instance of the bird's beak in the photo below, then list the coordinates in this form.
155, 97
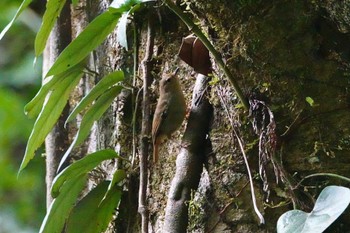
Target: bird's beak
177, 70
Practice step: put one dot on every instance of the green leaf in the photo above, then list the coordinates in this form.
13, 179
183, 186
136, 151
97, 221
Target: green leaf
310, 101
91, 214
107, 207
98, 90
53, 10
60, 208
82, 166
21, 8
332, 201
75, 2
123, 21
121, 6
93, 114
49, 114
32, 109
92, 36
118, 176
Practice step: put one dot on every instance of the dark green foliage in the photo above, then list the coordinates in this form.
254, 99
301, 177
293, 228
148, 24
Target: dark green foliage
48, 105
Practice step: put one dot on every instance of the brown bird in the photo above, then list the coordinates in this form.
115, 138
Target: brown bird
170, 111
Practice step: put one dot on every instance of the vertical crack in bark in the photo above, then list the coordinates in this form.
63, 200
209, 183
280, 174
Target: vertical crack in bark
57, 142
189, 163
146, 127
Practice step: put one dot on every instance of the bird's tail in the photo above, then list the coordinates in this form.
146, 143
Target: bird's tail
155, 152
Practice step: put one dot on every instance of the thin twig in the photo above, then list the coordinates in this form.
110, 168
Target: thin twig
136, 104
262, 220
217, 56
146, 128
322, 174
292, 125
134, 99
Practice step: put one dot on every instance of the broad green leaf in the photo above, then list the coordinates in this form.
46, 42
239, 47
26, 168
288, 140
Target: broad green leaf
91, 214
108, 206
332, 201
93, 114
83, 216
49, 114
98, 90
32, 109
118, 176
21, 8
53, 10
60, 208
96, 111
92, 36
82, 166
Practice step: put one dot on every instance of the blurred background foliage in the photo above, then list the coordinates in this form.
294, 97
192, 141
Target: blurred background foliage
22, 199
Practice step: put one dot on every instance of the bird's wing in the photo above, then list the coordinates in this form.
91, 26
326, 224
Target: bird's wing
157, 123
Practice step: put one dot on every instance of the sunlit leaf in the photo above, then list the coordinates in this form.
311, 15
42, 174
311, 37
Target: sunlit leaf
126, 8
118, 176
121, 30
21, 8
94, 113
332, 201
50, 113
53, 10
32, 109
91, 214
99, 89
60, 208
82, 166
310, 101
121, 6
92, 36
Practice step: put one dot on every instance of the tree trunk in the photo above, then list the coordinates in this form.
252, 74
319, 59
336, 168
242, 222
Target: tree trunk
57, 142
292, 60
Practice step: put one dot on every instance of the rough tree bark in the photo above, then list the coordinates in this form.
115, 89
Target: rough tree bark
189, 163
293, 55
57, 142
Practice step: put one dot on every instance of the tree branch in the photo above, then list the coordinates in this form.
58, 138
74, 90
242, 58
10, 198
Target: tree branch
189, 163
146, 127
